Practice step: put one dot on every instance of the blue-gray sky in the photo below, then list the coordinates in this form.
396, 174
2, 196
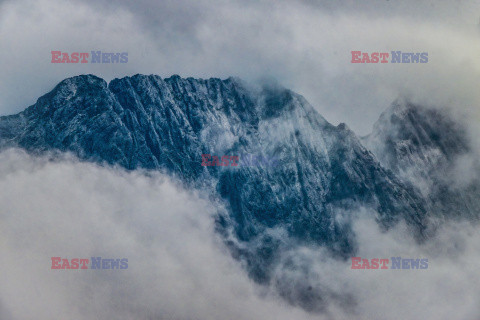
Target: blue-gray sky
305, 45
178, 268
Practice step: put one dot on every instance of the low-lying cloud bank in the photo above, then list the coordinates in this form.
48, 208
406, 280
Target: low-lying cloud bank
178, 267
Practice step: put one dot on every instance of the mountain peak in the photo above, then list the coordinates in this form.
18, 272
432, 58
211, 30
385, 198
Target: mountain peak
321, 171
84, 80
423, 128
399, 107
421, 145
67, 93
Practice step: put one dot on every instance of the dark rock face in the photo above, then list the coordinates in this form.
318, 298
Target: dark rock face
323, 171
423, 147
147, 122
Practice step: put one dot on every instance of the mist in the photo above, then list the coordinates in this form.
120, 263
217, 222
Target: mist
305, 45
179, 268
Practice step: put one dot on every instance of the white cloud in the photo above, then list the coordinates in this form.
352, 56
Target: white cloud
305, 45
179, 269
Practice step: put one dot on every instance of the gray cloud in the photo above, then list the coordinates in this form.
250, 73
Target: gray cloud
179, 269
306, 45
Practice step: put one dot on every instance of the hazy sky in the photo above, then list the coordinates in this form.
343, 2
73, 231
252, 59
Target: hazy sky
178, 266
305, 45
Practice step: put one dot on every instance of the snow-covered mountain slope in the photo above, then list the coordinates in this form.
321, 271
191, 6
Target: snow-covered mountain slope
323, 173
426, 148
